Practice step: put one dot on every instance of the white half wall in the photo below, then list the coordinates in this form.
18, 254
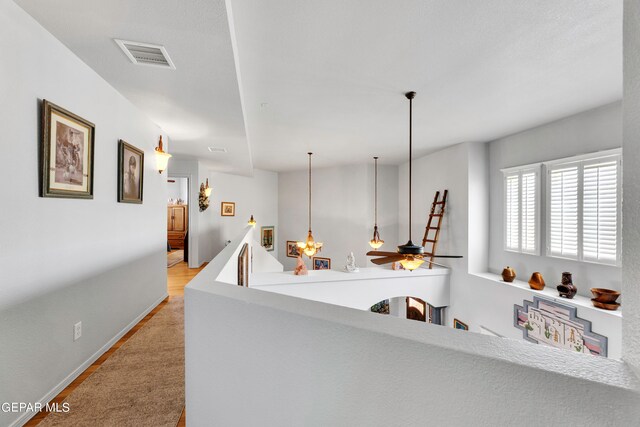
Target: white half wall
594, 130
342, 211
64, 261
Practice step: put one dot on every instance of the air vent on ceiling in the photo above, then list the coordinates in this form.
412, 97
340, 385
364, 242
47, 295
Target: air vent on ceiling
146, 54
217, 149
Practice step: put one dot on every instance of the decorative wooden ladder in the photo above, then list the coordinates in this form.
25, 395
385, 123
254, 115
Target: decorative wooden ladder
433, 227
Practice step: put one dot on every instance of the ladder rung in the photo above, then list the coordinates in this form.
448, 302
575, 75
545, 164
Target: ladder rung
430, 241
438, 203
436, 214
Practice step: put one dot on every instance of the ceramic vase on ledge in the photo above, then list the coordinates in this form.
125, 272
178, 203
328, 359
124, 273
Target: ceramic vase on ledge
567, 289
508, 274
537, 281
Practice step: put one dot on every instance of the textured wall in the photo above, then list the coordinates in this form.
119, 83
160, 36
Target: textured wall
631, 203
64, 260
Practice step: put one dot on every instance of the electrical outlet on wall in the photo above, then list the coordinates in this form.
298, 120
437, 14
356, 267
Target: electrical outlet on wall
77, 331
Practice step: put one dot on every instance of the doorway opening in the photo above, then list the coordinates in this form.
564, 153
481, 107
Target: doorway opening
177, 221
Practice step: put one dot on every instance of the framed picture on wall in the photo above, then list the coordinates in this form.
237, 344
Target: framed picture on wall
66, 151
460, 325
267, 237
321, 263
292, 249
130, 173
228, 209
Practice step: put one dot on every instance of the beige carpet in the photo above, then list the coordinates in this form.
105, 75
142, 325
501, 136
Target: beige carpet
175, 258
141, 384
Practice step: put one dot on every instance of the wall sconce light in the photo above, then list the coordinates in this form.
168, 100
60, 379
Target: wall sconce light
162, 158
252, 222
203, 197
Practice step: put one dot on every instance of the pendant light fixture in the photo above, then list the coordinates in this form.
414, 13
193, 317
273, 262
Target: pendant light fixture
413, 253
252, 222
310, 247
376, 242
162, 157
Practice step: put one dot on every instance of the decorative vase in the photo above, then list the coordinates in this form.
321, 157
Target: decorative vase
508, 274
537, 281
567, 289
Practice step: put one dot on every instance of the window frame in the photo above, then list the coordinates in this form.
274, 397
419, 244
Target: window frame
520, 171
581, 161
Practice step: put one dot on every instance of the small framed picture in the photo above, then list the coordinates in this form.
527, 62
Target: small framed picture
321, 263
66, 151
228, 209
267, 237
130, 173
460, 325
292, 249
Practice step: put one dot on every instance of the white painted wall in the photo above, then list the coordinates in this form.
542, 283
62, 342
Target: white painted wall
256, 195
64, 260
631, 202
178, 189
591, 131
343, 211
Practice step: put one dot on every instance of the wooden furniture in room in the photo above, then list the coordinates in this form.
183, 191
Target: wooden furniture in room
177, 225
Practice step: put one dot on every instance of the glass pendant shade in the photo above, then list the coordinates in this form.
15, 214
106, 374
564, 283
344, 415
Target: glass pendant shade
207, 189
376, 242
162, 158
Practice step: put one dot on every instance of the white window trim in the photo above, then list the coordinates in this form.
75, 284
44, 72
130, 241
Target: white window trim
581, 160
520, 170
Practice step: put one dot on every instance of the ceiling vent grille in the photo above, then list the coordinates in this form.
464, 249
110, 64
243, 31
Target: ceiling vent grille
146, 54
217, 149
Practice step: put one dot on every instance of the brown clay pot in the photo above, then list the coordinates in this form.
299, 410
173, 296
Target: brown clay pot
508, 274
606, 296
537, 281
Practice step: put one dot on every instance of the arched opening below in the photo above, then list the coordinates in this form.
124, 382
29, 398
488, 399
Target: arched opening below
409, 307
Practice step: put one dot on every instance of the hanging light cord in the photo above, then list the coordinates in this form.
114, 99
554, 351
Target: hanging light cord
310, 191
410, 95
376, 193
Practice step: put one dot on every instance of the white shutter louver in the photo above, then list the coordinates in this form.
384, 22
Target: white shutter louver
563, 211
512, 212
600, 212
529, 210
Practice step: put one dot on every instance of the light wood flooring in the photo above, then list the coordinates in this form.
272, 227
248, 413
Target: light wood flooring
177, 278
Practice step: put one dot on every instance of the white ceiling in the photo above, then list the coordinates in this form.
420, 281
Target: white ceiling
198, 104
329, 76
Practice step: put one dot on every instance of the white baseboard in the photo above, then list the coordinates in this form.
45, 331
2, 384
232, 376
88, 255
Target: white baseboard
26, 416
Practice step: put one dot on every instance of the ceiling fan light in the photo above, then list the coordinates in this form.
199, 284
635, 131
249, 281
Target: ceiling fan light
411, 263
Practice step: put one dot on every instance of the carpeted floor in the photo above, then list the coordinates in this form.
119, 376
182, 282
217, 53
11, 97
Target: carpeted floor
174, 258
141, 384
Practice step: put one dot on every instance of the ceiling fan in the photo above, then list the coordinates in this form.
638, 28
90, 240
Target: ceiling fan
410, 255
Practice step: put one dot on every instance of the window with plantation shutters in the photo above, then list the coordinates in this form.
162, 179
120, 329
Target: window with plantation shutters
521, 209
583, 208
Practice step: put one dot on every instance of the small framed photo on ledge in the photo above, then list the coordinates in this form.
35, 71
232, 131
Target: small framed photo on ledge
228, 209
292, 249
321, 263
460, 325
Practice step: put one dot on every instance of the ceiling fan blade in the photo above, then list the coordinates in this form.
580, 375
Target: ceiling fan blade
381, 253
447, 256
387, 260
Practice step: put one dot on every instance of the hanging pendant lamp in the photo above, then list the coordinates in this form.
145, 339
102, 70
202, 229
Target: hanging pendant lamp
376, 242
310, 247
